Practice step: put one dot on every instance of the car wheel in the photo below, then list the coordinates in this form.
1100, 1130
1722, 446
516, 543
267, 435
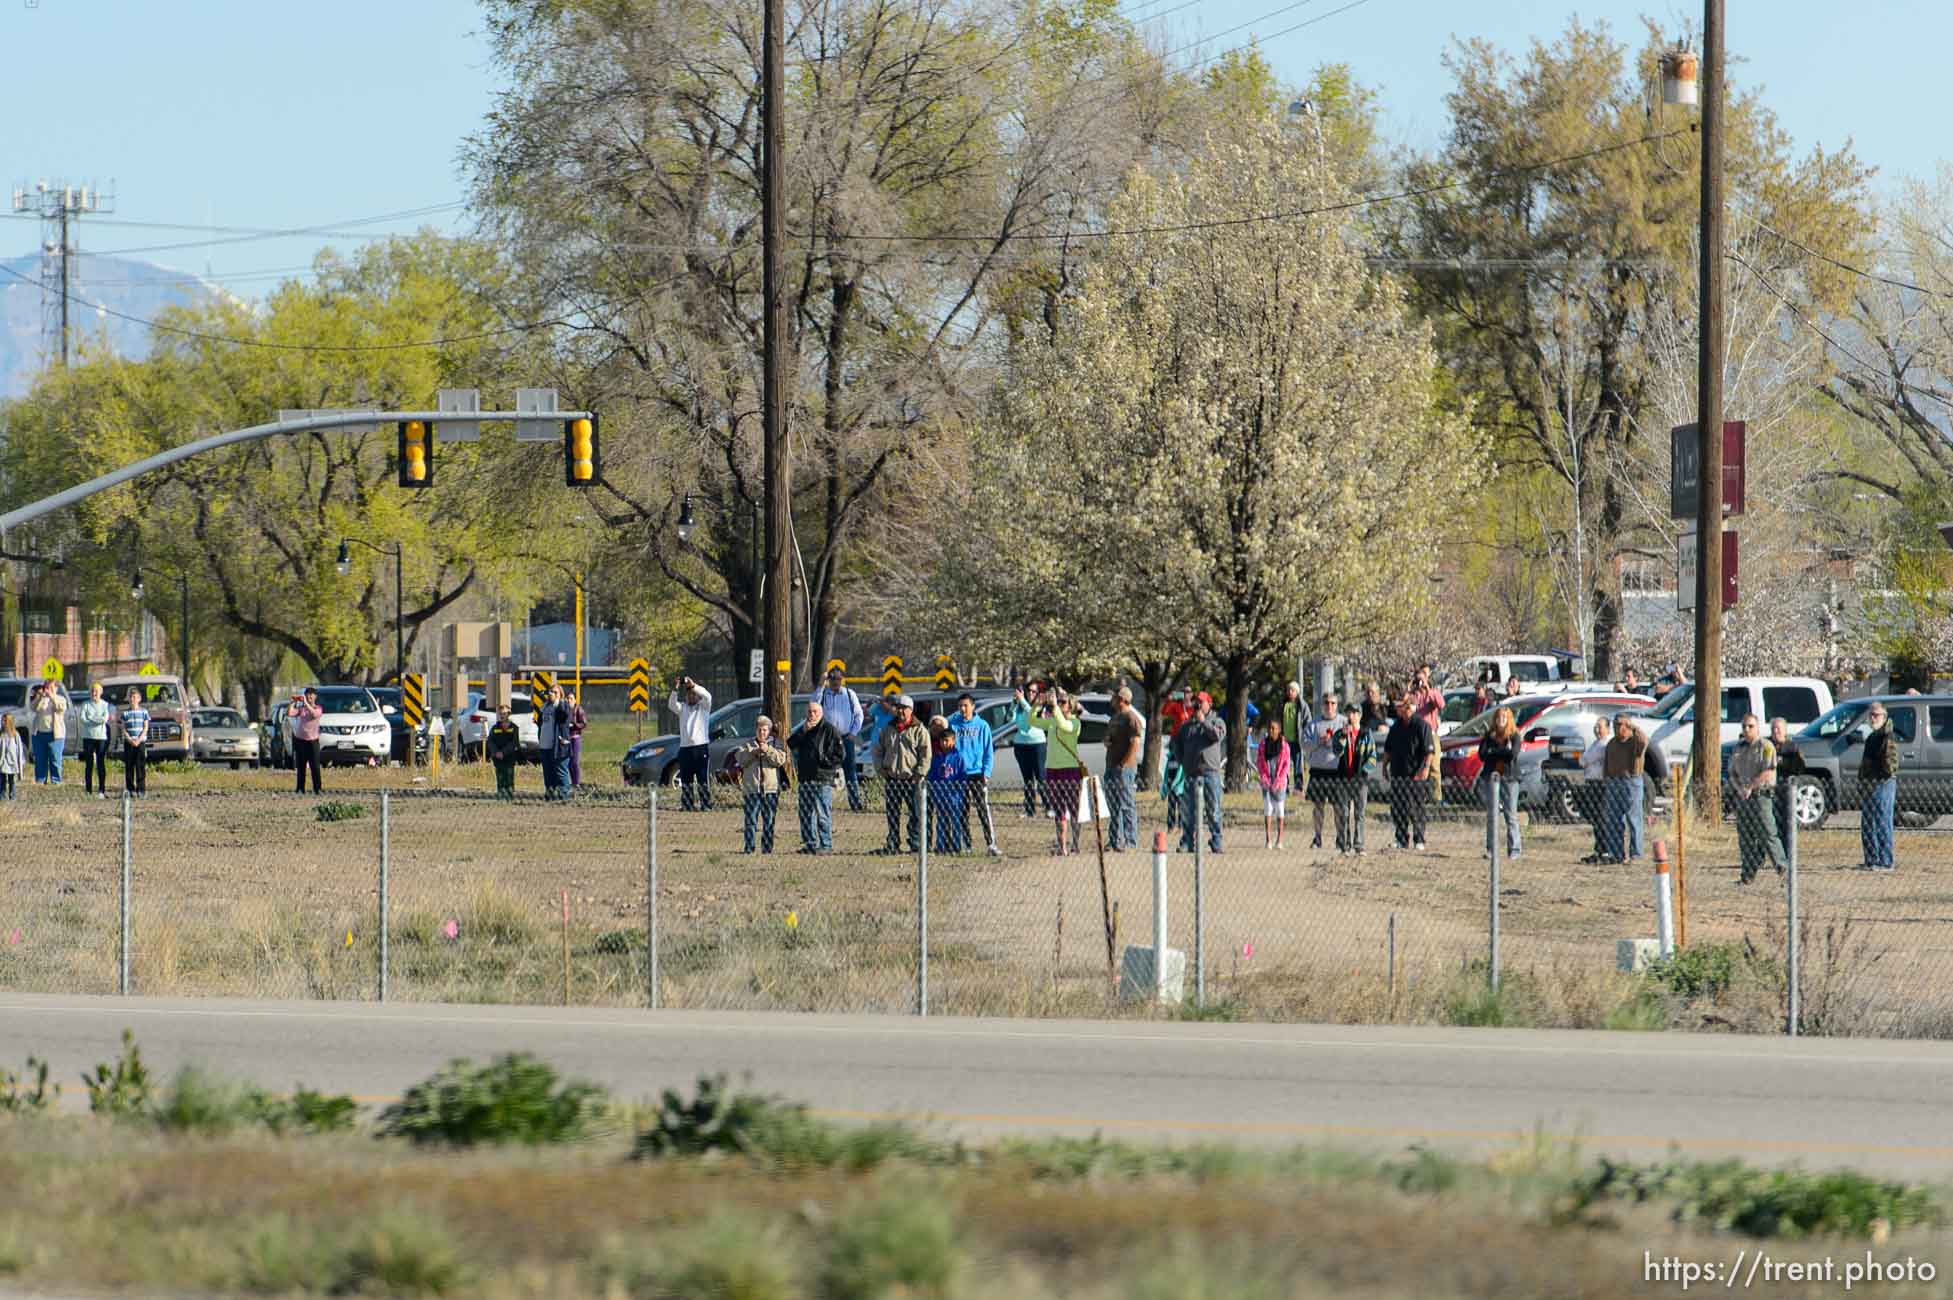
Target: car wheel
668, 775
235, 766
1812, 804
1560, 805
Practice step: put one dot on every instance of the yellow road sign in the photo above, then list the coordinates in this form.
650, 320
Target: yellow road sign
52, 669
413, 699
639, 680
892, 675
945, 673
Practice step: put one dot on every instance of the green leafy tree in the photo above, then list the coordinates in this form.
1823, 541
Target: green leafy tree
258, 527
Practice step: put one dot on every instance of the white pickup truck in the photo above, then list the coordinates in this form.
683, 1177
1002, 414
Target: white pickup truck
1797, 700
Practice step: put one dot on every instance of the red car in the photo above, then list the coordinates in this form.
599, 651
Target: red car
1537, 716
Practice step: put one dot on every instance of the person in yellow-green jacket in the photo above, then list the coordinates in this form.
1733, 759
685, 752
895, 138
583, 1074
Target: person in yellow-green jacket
1064, 774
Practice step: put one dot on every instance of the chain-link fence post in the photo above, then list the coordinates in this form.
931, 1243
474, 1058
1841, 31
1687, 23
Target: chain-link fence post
128, 828
651, 895
922, 899
1793, 1011
1492, 853
386, 861
1199, 890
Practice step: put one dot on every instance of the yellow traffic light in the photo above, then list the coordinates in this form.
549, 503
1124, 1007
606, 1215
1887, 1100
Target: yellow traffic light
416, 455
582, 463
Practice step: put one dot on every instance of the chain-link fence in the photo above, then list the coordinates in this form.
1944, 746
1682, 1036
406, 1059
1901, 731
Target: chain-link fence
954, 897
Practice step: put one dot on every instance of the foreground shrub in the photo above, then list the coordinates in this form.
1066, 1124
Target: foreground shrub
121, 1090
338, 810
197, 1102
515, 1098
729, 1255
1731, 1196
28, 1096
900, 1244
770, 1129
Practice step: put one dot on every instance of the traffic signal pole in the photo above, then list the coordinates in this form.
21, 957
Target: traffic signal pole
256, 433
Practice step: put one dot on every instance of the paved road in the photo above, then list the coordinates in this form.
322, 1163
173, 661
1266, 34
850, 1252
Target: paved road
1874, 1104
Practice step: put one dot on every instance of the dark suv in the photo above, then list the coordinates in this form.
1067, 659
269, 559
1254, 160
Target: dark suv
389, 699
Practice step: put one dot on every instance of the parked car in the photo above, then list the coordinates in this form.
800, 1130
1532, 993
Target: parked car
352, 729
223, 736
1797, 700
171, 731
388, 698
1922, 727
13, 699
1529, 669
468, 736
274, 736
1538, 717
728, 727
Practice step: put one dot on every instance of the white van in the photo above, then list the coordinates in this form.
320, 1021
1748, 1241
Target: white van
1797, 700
1529, 669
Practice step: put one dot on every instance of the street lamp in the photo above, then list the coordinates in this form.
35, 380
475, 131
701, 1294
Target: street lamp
344, 564
686, 525
183, 633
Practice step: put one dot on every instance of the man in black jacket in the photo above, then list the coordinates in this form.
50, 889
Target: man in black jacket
818, 753
1407, 752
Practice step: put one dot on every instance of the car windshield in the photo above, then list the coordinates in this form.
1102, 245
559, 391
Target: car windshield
1837, 721
346, 699
1673, 704
163, 693
1524, 708
216, 718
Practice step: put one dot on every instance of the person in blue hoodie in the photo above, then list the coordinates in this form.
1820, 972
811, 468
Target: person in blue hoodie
976, 747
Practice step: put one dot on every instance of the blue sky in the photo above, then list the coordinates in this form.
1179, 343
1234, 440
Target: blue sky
219, 112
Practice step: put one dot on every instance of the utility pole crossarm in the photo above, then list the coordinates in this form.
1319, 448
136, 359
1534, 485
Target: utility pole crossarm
256, 433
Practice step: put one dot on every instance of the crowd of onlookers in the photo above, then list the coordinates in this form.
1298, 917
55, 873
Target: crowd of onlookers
102, 728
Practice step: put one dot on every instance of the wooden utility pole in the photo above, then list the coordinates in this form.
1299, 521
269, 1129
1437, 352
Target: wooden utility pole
779, 628
1706, 763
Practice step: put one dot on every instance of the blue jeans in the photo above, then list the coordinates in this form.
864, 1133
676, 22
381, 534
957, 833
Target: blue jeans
947, 807
761, 809
1875, 821
694, 769
55, 746
1504, 803
816, 815
1209, 783
1621, 817
851, 773
1122, 820
37, 746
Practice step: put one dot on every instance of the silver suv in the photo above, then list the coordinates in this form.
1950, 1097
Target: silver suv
1832, 746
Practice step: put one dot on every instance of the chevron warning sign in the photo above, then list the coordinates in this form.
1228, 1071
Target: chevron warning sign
892, 675
639, 679
539, 684
945, 673
413, 699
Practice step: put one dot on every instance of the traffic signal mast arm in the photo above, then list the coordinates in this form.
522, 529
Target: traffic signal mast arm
257, 433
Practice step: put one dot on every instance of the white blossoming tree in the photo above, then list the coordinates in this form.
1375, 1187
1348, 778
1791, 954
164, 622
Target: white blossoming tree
1230, 450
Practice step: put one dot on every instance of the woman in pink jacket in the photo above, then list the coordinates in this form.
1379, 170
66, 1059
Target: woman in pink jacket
1272, 763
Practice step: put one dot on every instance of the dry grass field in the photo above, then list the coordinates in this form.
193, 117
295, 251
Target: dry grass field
242, 888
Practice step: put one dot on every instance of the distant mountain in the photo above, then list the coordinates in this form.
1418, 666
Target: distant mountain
139, 289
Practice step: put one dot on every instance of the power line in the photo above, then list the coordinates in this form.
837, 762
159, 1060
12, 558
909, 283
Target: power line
207, 337
1347, 205
1874, 276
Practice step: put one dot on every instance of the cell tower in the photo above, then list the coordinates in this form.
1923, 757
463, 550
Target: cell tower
60, 206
